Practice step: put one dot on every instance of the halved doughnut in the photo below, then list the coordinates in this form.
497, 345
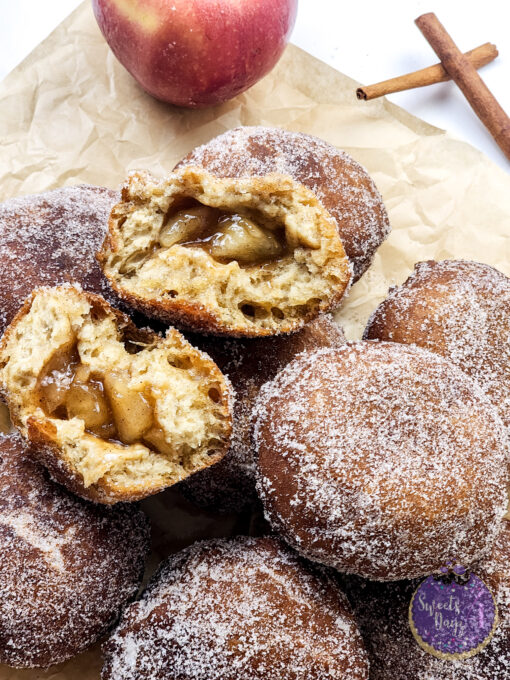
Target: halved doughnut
116, 413
244, 257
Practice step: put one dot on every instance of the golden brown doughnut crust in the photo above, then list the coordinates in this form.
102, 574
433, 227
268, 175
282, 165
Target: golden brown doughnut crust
342, 185
187, 286
68, 567
460, 310
238, 609
52, 238
230, 484
381, 610
381, 460
69, 451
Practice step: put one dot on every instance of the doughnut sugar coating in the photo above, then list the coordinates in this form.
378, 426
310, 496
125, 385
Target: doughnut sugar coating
238, 609
459, 309
230, 484
343, 186
52, 238
381, 460
68, 567
381, 610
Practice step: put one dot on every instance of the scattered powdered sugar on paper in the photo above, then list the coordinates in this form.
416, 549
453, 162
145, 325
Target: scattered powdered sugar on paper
460, 310
51, 238
381, 611
238, 609
381, 459
68, 566
343, 186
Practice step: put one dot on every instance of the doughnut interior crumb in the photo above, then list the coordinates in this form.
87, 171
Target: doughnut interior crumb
128, 412
252, 256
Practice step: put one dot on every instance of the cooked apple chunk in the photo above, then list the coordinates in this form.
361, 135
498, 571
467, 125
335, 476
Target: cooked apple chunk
115, 413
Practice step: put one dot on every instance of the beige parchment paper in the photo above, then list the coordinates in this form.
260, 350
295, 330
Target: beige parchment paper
70, 113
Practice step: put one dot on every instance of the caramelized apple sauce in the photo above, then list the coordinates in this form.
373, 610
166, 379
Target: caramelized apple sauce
226, 236
109, 408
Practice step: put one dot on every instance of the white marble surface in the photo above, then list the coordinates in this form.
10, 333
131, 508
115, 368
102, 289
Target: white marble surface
369, 40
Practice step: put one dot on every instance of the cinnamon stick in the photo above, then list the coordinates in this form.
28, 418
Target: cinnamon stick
480, 56
481, 99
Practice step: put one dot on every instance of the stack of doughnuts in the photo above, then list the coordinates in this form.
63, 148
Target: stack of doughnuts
375, 462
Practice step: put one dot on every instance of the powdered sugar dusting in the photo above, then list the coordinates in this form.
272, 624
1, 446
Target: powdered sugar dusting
51, 238
458, 309
67, 568
239, 609
343, 186
382, 460
382, 614
49, 542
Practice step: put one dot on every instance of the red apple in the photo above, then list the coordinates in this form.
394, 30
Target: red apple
196, 53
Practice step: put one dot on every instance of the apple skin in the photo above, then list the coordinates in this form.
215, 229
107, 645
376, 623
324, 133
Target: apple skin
196, 53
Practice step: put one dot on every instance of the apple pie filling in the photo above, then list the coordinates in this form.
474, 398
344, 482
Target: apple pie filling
107, 405
226, 236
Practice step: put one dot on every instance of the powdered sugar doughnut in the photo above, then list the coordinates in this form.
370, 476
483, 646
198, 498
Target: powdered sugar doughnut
460, 310
381, 460
230, 484
239, 609
343, 186
51, 238
68, 567
382, 609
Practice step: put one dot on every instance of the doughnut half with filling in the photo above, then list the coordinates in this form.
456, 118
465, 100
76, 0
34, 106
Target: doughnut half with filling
116, 413
242, 257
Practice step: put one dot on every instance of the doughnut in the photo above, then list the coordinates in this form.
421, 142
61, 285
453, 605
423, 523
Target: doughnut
230, 484
238, 609
342, 185
243, 257
381, 460
68, 567
50, 238
460, 310
381, 610
115, 413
